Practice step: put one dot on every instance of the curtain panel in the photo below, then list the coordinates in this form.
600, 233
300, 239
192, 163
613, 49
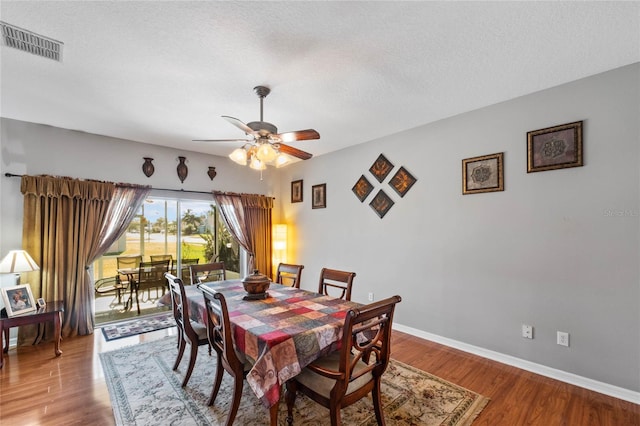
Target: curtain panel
64, 229
248, 218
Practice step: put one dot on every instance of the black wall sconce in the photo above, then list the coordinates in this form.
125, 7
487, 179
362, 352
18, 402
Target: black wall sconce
147, 167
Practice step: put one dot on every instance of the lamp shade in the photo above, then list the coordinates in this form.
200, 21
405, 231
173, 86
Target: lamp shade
18, 261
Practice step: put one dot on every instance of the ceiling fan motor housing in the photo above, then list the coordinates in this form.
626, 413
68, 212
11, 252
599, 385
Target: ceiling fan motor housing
263, 128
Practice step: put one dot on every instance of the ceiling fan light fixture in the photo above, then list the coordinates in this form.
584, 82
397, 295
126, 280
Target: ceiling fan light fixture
282, 160
256, 164
266, 153
239, 156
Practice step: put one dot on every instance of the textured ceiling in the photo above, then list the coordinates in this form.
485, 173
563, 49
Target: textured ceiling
164, 72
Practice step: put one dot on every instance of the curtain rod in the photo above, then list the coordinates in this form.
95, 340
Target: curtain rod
157, 189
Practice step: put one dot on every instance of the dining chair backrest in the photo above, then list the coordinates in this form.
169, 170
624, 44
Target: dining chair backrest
185, 273
207, 272
180, 306
219, 327
344, 377
336, 283
289, 274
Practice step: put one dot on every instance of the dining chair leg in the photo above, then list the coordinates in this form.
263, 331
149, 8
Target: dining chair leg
377, 403
192, 362
235, 399
217, 382
181, 346
334, 415
290, 398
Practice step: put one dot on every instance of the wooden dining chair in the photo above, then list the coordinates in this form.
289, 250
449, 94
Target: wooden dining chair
189, 331
151, 275
336, 283
229, 360
351, 373
185, 273
207, 272
289, 274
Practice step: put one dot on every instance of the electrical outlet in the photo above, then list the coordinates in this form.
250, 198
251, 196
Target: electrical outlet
563, 338
370, 297
527, 331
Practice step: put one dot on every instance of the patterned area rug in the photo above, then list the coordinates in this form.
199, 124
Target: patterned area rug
141, 325
145, 391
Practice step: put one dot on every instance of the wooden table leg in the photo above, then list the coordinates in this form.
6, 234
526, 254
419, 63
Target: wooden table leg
273, 414
57, 334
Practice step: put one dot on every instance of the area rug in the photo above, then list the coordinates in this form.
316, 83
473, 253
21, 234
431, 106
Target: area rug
145, 391
140, 325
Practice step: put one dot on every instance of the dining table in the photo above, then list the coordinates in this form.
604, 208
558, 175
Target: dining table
280, 334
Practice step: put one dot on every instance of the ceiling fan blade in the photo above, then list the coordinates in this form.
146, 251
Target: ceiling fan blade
239, 124
295, 152
300, 135
221, 140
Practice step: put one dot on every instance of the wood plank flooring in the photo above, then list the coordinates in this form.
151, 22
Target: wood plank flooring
38, 389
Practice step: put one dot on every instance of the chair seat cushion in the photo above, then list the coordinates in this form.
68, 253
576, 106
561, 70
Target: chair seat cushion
323, 385
201, 330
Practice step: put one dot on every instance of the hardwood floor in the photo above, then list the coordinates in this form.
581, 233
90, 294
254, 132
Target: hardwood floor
38, 389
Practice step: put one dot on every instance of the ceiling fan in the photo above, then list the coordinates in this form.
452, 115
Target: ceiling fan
266, 145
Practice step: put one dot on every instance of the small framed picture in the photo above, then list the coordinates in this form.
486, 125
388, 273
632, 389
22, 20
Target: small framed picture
557, 147
319, 196
41, 303
18, 299
296, 191
483, 174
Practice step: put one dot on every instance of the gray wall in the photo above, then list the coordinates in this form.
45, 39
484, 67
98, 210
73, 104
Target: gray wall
558, 250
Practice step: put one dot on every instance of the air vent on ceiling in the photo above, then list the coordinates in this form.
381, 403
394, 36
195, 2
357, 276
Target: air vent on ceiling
31, 42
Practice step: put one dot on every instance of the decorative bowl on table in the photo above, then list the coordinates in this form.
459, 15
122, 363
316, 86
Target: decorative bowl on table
256, 285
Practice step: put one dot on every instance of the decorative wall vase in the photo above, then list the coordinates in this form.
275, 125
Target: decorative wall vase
212, 172
147, 167
182, 169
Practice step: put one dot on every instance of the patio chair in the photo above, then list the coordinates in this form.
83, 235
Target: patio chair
150, 276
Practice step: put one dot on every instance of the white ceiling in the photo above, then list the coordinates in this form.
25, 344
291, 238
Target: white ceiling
164, 72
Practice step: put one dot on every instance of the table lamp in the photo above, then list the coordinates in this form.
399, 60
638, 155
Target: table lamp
17, 261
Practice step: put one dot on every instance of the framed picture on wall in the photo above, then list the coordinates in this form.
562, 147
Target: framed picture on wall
483, 174
296, 191
319, 196
557, 147
18, 299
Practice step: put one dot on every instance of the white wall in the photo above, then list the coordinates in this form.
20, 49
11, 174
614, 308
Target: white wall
558, 249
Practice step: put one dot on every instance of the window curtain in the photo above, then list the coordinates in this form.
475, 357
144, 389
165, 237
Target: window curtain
64, 229
248, 218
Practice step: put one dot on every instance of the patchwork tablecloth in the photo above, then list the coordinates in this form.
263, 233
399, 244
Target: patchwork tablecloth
281, 334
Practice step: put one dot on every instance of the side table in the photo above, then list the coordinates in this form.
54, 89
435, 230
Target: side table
52, 311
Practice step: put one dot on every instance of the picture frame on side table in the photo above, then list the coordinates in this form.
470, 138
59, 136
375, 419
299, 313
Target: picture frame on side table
483, 174
319, 196
557, 147
18, 299
296, 191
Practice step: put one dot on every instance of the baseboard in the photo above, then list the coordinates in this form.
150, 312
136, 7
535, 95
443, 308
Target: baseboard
563, 376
